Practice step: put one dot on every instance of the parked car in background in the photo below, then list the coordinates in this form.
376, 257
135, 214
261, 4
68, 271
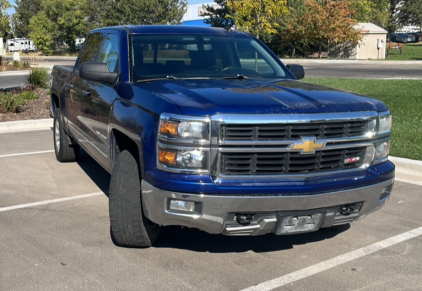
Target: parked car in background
416, 36
397, 37
403, 37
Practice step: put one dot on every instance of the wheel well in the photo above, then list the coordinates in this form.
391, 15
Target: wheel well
56, 100
123, 142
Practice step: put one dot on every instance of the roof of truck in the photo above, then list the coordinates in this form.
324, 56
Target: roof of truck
175, 29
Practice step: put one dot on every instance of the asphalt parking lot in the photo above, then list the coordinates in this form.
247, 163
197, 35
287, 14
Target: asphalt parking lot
53, 236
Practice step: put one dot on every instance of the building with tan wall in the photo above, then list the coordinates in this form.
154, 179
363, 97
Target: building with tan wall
371, 46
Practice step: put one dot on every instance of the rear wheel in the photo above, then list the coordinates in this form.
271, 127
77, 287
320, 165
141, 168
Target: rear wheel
65, 148
129, 226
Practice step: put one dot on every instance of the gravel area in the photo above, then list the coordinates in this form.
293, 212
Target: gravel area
34, 109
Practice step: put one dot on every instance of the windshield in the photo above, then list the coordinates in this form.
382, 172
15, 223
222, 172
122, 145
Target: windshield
194, 56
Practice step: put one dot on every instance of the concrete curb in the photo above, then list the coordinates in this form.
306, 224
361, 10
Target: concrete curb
14, 73
407, 166
26, 125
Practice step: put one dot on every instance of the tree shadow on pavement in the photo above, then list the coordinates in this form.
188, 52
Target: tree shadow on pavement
199, 241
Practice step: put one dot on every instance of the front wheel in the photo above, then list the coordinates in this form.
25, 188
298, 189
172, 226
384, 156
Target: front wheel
65, 148
129, 226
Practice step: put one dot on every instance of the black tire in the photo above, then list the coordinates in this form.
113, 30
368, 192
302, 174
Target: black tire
129, 226
65, 148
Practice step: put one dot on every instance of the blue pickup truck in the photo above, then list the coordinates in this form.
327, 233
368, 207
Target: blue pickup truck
207, 128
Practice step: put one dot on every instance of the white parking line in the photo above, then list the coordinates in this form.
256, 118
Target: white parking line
334, 262
14, 207
24, 154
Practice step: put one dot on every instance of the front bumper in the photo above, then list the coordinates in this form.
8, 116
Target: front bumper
217, 213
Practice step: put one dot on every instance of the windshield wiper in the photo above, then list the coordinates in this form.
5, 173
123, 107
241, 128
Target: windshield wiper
240, 77
170, 78
156, 79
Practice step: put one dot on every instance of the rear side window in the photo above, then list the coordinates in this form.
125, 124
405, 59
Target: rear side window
90, 52
110, 53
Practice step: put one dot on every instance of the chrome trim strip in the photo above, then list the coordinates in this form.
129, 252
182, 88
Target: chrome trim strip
175, 117
290, 141
292, 118
166, 138
175, 147
376, 162
288, 149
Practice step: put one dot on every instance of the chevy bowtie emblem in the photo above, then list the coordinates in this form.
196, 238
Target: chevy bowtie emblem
308, 145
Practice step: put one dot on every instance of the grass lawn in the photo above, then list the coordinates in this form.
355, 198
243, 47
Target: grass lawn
410, 52
403, 98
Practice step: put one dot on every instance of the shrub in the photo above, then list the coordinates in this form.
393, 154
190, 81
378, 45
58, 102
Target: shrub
38, 77
16, 64
10, 103
28, 95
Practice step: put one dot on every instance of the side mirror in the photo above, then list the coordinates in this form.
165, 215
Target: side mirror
98, 72
297, 71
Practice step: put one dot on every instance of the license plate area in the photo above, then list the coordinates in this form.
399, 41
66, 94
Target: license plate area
298, 222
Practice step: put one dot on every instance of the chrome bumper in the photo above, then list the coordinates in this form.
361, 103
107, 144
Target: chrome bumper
217, 214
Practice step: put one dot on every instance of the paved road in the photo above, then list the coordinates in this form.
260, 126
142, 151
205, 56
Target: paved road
313, 69
13, 80
361, 69
48, 61
67, 245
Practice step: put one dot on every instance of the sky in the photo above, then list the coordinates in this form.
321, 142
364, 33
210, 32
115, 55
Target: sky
190, 2
11, 10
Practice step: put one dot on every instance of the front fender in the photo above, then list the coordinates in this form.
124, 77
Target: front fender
140, 125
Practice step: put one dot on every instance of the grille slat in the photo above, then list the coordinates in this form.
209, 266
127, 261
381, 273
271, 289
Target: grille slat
280, 163
230, 132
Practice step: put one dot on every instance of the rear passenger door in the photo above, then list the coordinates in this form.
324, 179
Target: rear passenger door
99, 97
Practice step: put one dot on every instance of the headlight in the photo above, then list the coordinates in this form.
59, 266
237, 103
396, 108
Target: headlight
385, 123
185, 129
183, 144
183, 159
382, 151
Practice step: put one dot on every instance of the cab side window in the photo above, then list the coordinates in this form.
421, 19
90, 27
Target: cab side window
110, 53
90, 52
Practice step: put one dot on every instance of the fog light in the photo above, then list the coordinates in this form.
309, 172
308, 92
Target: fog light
182, 205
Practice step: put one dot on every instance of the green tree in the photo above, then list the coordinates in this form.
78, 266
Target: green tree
93, 11
375, 11
24, 11
321, 22
393, 22
142, 12
4, 18
258, 16
41, 29
411, 13
217, 16
65, 21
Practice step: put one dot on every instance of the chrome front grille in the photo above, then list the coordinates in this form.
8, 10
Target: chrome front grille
321, 130
278, 163
270, 146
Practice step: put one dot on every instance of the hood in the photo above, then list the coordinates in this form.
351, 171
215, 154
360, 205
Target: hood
208, 97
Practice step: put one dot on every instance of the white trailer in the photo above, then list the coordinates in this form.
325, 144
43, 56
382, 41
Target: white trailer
20, 44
